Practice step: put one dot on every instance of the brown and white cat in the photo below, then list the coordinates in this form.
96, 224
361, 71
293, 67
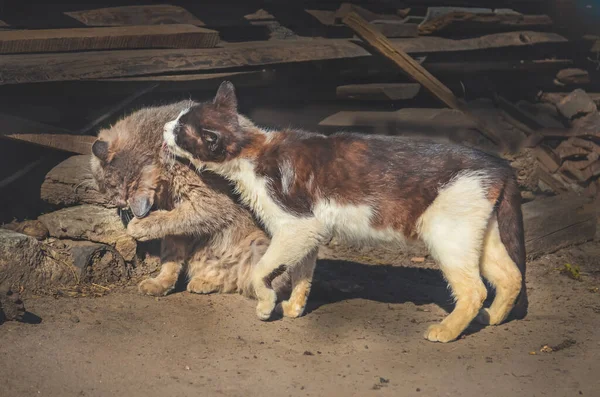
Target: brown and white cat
197, 216
306, 187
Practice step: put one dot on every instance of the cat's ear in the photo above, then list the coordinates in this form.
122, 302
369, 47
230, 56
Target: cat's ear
225, 98
140, 204
213, 140
100, 150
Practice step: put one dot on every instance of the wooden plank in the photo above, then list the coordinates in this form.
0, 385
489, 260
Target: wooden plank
378, 91
56, 40
18, 128
71, 183
81, 144
93, 223
393, 29
416, 72
557, 222
468, 22
555, 97
136, 15
106, 64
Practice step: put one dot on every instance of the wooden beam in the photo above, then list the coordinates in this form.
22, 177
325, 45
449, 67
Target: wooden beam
135, 15
109, 64
383, 46
59, 40
24, 130
81, 144
468, 22
557, 222
378, 92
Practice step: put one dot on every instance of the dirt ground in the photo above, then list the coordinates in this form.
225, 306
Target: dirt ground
362, 336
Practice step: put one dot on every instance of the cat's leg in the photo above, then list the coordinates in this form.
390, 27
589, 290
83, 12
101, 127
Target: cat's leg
453, 227
173, 255
504, 275
302, 276
290, 245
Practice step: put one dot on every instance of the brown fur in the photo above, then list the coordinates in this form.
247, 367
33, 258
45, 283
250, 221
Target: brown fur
197, 217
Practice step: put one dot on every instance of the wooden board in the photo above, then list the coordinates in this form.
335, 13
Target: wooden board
81, 144
466, 22
58, 40
93, 223
557, 222
378, 92
94, 65
136, 15
71, 183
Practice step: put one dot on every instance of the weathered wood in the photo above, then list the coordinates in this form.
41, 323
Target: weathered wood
71, 183
575, 104
583, 170
136, 15
89, 39
416, 72
556, 97
346, 8
567, 149
572, 76
27, 263
394, 29
66, 142
467, 22
32, 228
109, 64
93, 223
557, 222
378, 91
586, 126
96, 263
548, 158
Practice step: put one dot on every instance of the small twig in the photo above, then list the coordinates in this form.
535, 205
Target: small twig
101, 286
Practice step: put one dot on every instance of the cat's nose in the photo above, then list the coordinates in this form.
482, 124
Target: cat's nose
119, 202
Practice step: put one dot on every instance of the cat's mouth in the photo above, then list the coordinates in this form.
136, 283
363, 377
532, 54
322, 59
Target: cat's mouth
126, 215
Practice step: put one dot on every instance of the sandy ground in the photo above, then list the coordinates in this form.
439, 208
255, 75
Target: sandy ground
362, 336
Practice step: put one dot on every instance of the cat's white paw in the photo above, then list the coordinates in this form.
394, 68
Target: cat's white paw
265, 307
440, 333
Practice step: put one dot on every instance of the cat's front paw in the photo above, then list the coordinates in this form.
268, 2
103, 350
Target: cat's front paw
139, 229
292, 309
266, 304
440, 333
200, 286
153, 287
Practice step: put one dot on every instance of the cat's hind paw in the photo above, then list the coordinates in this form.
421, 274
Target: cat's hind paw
153, 287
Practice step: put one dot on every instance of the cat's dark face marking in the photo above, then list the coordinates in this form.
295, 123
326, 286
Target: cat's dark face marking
209, 131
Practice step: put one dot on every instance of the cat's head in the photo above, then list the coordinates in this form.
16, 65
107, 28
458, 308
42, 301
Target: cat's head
208, 132
126, 173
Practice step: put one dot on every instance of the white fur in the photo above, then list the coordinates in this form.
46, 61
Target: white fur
288, 175
457, 218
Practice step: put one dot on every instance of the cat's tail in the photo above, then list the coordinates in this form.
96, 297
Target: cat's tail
510, 225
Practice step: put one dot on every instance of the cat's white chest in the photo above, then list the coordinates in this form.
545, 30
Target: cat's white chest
254, 192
